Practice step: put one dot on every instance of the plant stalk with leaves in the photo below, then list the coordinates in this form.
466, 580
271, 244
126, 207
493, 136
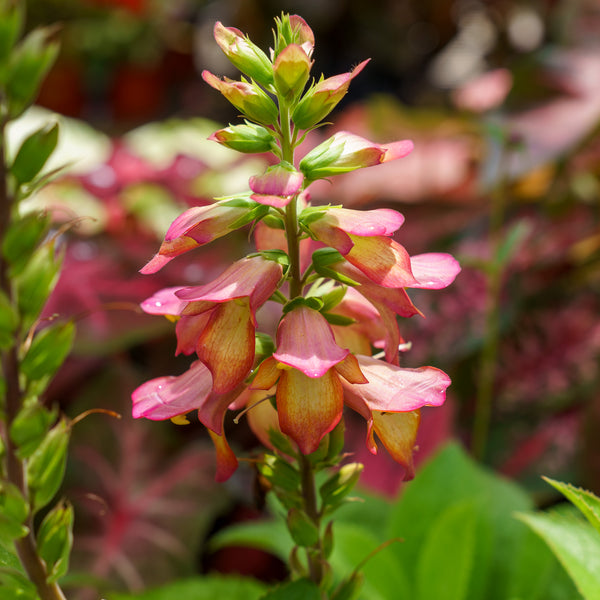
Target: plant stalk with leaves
34, 439
340, 280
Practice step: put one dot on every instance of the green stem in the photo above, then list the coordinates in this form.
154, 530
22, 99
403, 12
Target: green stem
309, 494
14, 468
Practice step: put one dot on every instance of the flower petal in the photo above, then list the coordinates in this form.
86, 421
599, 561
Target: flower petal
308, 407
434, 270
167, 397
164, 302
394, 389
226, 346
227, 462
305, 341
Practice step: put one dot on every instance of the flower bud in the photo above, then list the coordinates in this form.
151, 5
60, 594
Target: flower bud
245, 55
248, 138
249, 98
276, 185
344, 152
291, 71
293, 29
322, 98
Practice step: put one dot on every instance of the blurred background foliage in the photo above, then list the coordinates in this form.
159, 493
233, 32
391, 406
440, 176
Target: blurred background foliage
502, 99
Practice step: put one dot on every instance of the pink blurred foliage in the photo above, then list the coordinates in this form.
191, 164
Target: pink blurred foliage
137, 499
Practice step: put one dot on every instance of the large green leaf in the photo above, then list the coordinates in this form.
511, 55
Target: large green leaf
453, 478
384, 577
449, 551
587, 502
575, 543
200, 588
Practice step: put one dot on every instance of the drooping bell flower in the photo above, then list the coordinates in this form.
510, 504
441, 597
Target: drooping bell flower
223, 318
306, 368
389, 402
322, 98
244, 54
344, 152
276, 186
362, 237
172, 396
250, 99
198, 226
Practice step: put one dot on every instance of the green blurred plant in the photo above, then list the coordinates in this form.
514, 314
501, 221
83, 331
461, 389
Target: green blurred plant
34, 437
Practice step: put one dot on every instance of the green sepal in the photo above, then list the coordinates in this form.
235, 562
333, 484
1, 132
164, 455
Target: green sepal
255, 213
327, 542
55, 540
335, 319
46, 467
34, 152
13, 513
11, 23
29, 62
340, 484
303, 530
273, 221
332, 298
323, 258
336, 443
280, 473
311, 302
281, 442
48, 351
295, 564
313, 213
278, 256
9, 321
37, 280
30, 427
22, 237
263, 344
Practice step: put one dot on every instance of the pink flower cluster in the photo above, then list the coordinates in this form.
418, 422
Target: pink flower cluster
339, 275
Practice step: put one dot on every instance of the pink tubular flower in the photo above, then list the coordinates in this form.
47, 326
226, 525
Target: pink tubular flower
195, 227
276, 185
168, 397
390, 401
322, 98
307, 368
225, 341
345, 152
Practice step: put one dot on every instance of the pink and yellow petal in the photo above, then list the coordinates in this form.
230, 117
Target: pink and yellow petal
226, 345
308, 407
227, 462
167, 397
434, 270
306, 342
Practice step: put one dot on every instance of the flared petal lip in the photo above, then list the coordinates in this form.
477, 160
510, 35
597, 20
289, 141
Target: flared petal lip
164, 302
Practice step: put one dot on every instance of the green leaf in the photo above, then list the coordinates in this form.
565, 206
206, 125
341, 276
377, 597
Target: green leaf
13, 512
46, 467
271, 536
28, 65
200, 588
587, 502
302, 529
452, 478
55, 539
8, 321
340, 484
48, 351
14, 585
385, 579
449, 551
22, 237
302, 589
11, 22
34, 152
575, 543
37, 281
30, 427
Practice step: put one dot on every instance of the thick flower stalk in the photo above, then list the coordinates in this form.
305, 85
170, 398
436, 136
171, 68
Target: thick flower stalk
338, 276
